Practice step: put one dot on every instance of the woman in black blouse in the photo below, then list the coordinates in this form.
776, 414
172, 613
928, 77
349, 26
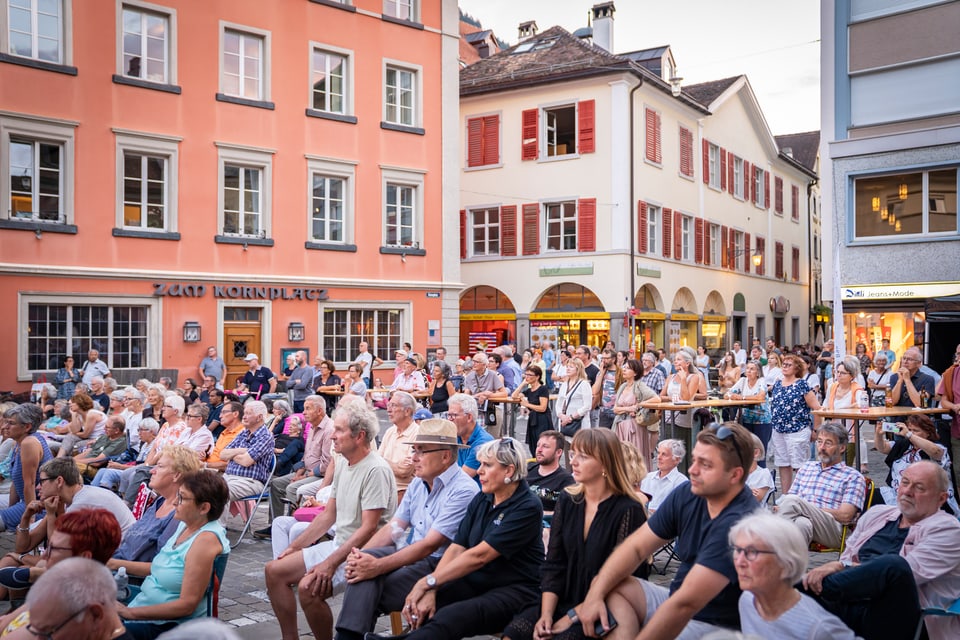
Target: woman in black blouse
440, 389
605, 506
534, 397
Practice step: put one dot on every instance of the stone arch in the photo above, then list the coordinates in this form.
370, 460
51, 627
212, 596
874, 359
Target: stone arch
715, 305
568, 296
684, 301
648, 298
485, 298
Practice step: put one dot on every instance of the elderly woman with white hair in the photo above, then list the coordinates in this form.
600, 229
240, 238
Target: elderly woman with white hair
770, 556
686, 384
491, 570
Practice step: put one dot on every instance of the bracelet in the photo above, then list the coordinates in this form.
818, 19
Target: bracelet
23, 529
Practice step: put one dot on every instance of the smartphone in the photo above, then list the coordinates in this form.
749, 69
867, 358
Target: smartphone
598, 628
889, 427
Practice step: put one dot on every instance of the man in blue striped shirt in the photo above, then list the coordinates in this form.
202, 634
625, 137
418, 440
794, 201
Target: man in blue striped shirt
250, 456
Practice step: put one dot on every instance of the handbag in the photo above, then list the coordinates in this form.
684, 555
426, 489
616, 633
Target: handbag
571, 428
491, 415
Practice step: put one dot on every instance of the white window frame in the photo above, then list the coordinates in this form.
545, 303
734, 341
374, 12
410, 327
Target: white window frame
48, 130
545, 134
715, 245
404, 308
66, 33
713, 155
738, 178
412, 9
170, 42
686, 238
151, 144
487, 227
654, 222
333, 168
739, 250
758, 181
564, 218
265, 60
403, 177
154, 321
251, 158
347, 97
417, 92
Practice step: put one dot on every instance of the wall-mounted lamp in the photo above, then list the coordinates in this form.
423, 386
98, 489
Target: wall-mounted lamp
757, 259
191, 331
295, 332
38, 232
675, 82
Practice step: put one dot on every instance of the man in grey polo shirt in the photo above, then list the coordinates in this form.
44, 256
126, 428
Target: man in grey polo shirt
483, 384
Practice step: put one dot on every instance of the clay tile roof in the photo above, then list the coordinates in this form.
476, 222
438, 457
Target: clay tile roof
805, 147
706, 92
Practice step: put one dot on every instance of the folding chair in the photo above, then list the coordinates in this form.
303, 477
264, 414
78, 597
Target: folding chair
816, 547
952, 610
212, 594
257, 498
671, 556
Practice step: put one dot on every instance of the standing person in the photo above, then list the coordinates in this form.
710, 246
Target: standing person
842, 394
825, 360
559, 372
652, 374
300, 380
630, 394
574, 400
773, 370
366, 361
948, 392
878, 380
93, 367
865, 361
20, 424
67, 379
790, 408
483, 384
703, 363
549, 360
887, 351
728, 374
685, 384
755, 418
326, 382
213, 365
592, 518
440, 389
258, 380
605, 387
535, 398
739, 354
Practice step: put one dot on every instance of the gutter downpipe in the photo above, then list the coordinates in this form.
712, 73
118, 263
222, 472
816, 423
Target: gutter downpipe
632, 215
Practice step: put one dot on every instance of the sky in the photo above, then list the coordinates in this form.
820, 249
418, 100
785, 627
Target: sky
776, 43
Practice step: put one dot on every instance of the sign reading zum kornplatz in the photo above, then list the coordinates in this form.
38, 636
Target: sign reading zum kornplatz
237, 292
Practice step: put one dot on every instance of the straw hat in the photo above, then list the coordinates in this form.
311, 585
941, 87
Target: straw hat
437, 431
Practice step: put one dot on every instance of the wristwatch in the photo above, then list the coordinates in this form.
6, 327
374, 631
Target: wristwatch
572, 614
431, 581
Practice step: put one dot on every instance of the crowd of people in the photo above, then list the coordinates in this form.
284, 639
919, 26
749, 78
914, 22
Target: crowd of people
465, 530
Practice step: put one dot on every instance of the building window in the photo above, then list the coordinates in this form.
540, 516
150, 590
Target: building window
653, 229
486, 231
145, 44
686, 152
401, 215
246, 177
560, 130
344, 329
561, 226
714, 165
118, 332
327, 200
910, 204
35, 29
328, 81
245, 64
401, 9
686, 237
795, 263
758, 187
400, 96
738, 178
795, 203
146, 182
778, 195
36, 170
739, 256
715, 244
762, 251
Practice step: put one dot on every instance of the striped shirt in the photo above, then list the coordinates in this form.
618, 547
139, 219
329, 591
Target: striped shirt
259, 446
830, 487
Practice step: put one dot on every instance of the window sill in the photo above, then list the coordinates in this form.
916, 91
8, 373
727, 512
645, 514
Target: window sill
31, 225
658, 165
559, 158
261, 104
259, 242
327, 115
484, 167
336, 5
401, 128
38, 64
402, 22
146, 84
408, 251
330, 246
152, 235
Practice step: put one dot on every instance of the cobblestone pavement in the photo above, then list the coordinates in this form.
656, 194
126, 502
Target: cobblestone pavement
243, 597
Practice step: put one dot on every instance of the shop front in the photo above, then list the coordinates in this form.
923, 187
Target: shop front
487, 320
683, 331
714, 332
573, 313
649, 320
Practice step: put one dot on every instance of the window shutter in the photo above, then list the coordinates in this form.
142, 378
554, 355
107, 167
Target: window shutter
730, 180
707, 258
587, 224
747, 257
530, 125
491, 139
747, 181
667, 227
778, 194
686, 152
698, 241
766, 189
641, 227
463, 234
706, 161
795, 203
508, 230
778, 260
474, 142
795, 251
732, 249
724, 254
762, 249
531, 229
586, 117
723, 170
677, 235
659, 139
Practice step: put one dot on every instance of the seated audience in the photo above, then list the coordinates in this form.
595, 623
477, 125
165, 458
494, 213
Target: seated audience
659, 483
19, 424
463, 413
760, 480
109, 476
87, 423
289, 446
917, 440
393, 446
771, 556
546, 477
112, 443
250, 456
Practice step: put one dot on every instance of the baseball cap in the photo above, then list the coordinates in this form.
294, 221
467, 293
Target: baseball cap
422, 414
251, 356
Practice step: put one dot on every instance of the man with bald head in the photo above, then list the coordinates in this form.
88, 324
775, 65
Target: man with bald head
908, 383
300, 381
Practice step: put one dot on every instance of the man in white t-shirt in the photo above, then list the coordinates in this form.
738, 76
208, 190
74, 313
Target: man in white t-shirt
739, 354
366, 360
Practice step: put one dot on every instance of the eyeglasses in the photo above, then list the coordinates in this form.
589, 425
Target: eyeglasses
50, 549
751, 553
48, 635
42, 479
906, 359
417, 454
531, 374
453, 416
180, 499
726, 433
194, 415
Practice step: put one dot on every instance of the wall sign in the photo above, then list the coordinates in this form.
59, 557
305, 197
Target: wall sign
237, 292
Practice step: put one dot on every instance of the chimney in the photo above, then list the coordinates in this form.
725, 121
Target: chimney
603, 25
527, 29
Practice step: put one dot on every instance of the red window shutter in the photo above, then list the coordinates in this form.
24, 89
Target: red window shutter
641, 227
508, 230
667, 228
795, 251
659, 139
463, 234
531, 229
724, 254
795, 203
698, 241
491, 139
707, 258
723, 170
530, 125
747, 181
587, 224
706, 161
747, 257
686, 152
586, 118
778, 194
766, 189
732, 263
474, 142
762, 250
677, 235
778, 260
733, 188
650, 117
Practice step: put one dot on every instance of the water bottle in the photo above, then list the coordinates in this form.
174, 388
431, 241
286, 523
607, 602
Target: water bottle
123, 584
863, 401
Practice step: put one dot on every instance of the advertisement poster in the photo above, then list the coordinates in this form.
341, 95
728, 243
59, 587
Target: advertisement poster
540, 332
482, 341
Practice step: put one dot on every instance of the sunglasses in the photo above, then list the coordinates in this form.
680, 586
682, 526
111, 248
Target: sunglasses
724, 432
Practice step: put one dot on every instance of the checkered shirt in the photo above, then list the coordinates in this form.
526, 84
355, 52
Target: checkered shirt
831, 487
259, 445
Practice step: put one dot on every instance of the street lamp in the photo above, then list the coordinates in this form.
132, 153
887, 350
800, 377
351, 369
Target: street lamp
295, 332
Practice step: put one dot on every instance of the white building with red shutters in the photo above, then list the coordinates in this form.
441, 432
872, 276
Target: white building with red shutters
596, 204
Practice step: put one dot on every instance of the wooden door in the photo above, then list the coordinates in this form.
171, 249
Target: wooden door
239, 340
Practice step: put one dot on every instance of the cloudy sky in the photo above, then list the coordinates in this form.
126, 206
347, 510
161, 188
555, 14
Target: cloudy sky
776, 43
